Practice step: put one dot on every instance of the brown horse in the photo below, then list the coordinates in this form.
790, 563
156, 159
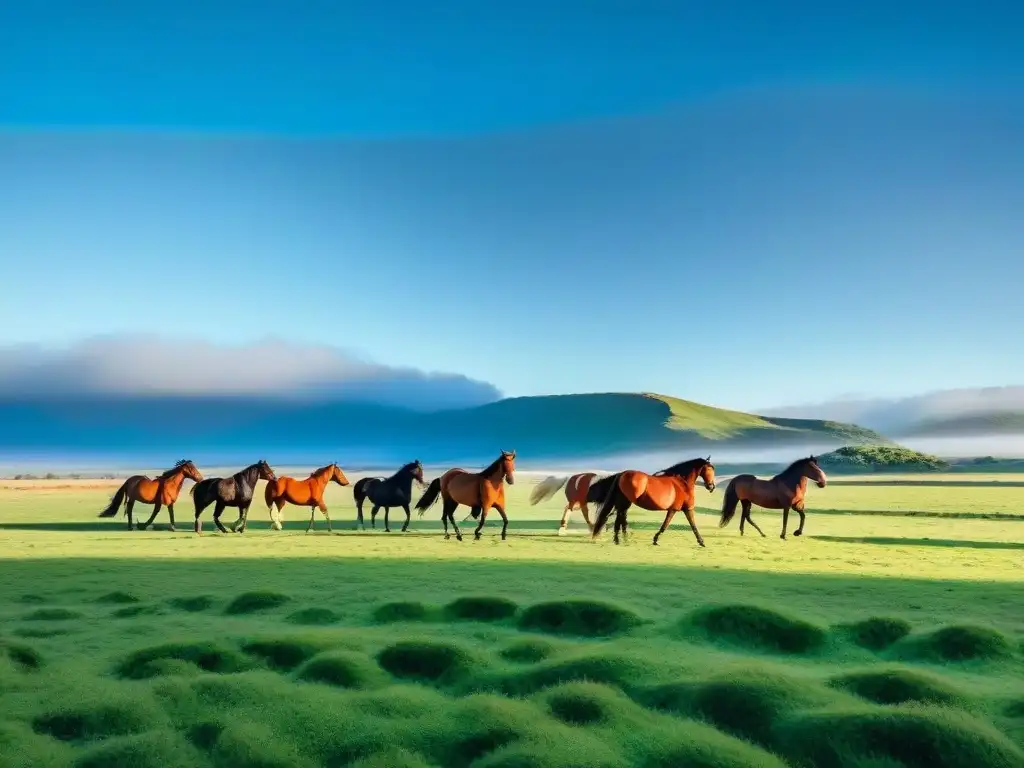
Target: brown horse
785, 491
477, 490
670, 489
576, 489
159, 491
302, 493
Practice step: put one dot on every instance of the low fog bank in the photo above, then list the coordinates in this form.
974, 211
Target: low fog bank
998, 446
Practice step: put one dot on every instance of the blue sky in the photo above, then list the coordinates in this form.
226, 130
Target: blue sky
730, 202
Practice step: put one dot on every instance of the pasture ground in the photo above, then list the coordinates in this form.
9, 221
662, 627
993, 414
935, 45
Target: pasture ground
890, 634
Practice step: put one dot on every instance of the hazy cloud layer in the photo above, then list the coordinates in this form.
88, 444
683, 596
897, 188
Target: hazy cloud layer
139, 365
894, 414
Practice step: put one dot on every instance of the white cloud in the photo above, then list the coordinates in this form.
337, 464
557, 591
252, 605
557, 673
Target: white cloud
143, 365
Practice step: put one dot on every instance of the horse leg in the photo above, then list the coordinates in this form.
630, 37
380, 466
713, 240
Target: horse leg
128, 511
504, 520
669, 514
149, 522
312, 518
586, 516
373, 515
243, 518
217, 512
785, 521
449, 513
323, 508
408, 518
688, 511
750, 519
483, 519
200, 506
387, 523
359, 514
800, 511
170, 512
564, 524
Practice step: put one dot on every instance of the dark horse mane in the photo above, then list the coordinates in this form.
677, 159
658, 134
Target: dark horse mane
174, 469
793, 470
684, 467
406, 468
493, 466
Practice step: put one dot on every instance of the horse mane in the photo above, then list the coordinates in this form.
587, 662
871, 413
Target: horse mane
493, 466
405, 468
322, 469
173, 470
683, 467
792, 468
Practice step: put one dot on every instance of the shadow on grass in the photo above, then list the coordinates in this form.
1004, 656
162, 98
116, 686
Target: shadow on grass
913, 542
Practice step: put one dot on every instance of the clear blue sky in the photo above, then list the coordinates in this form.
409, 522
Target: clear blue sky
737, 202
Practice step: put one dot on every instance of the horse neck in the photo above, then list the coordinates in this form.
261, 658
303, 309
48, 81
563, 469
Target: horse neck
793, 478
403, 478
321, 477
690, 478
175, 479
495, 475
250, 475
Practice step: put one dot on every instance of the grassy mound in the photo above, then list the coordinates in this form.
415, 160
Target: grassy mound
481, 609
880, 458
175, 658
96, 717
584, 703
958, 643
244, 744
342, 669
757, 628
425, 660
159, 749
583, 618
319, 617
616, 670
391, 758
42, 632
117, 598
285, 653
876, 633
254, 602
131, 611
23, 657
897, 686
745, 702
52, 614
194, 604
913, 736
528, 651
696, 745
401, 611
31, 598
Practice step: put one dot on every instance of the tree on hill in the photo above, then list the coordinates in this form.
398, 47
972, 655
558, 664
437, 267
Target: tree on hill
881, 458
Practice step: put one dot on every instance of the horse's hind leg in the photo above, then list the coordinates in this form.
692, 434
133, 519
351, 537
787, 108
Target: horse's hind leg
152, 517
747, 516
359, 514
373, 515
586, 516
448, 513
693, 525
243, 518
564, 524
387, 522
323, 508
128, 511
480, 525
312, 518
669, 514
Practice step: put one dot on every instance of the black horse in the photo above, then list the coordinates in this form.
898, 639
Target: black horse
395, 491
234, 491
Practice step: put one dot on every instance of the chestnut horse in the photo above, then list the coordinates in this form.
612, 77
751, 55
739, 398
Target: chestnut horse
670, 489
477, 490
234, 491
785, 491
302, 493
576, 488
159, 491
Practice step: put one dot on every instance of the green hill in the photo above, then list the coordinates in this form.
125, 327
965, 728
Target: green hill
1002, 423
881, 458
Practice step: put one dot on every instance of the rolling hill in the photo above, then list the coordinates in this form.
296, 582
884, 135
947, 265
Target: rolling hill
557, 427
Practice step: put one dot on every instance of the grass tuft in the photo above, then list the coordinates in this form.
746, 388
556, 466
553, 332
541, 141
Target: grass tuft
877, 633
528, 651
342, 669
391, 758
117, 598
757, 628
898, 686
958, 643
194, 604
24, 657
319, 617
52, 614
176, 658
616, 670
481, 609
426, 660
254, 602
157, 749
403, 610
284, 653
584, 618
583, 703
131, 611
95, 717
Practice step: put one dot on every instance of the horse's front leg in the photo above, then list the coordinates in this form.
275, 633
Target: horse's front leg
243, 519
800, 511
408, 517
387, 522
483, 519
688, 511
669, 514
170, 512
149, 522
504, 519
323, 508
785, 520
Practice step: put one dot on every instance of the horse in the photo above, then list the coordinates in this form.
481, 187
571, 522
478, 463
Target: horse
395, 491
577, 488
477, 490
234, 491
159, 491
308, 492
785, 491
670, 489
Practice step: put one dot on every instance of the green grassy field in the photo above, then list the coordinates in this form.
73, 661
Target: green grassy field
876, 640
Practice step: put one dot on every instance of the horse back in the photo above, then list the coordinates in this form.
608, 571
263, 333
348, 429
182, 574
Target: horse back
769, 494
578, 487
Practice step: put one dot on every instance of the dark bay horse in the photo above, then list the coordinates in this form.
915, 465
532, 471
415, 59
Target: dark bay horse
670, 489
395, 491
234, 491
785, 491
302, 493
158, 491
577, 488
477, 490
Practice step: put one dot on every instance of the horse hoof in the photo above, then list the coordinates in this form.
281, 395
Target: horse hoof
654, 543
447, 536
459, 537
797, 533
783, 537
171, 528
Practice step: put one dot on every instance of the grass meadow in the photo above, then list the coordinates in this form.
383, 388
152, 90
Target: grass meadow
891, 634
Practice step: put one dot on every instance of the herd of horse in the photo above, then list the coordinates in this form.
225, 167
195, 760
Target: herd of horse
669, 490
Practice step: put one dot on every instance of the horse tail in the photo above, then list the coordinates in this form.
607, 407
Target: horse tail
115, 501
608, 504
729, 504
269, 492
429, 496
361, 488
547, 488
